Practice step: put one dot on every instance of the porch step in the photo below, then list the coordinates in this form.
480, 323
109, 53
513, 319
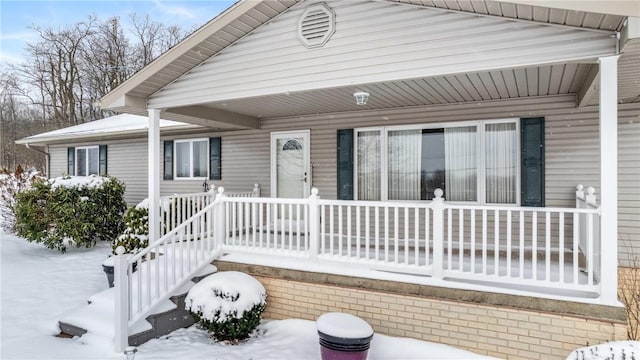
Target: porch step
98, 315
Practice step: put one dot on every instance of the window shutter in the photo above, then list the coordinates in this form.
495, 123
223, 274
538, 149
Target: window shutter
71, 161
215, 158
168, 160
345, 164
102, 165
532, 160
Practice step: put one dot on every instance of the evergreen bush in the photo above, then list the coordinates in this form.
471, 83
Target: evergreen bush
228, 305
71, 211
135, 236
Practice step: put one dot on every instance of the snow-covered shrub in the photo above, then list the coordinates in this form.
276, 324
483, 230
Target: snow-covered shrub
71, 210
10, 185
622, 350
135, 235
228, 304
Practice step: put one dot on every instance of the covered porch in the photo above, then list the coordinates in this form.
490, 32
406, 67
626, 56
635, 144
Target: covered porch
461, 65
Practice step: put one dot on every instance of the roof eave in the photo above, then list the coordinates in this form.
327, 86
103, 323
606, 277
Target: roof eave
43, 141
629, 8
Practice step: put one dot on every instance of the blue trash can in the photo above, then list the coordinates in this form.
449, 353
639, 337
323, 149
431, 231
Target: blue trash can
343, 337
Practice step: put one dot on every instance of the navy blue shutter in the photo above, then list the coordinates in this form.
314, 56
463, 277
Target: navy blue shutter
168, 160
345, 164
215, 158
532, 160
102, 165
71, 161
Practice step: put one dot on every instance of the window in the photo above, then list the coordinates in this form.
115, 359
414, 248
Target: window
471, 162
192, 158
87, 161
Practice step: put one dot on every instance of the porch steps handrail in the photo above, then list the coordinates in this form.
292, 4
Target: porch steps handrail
163, 268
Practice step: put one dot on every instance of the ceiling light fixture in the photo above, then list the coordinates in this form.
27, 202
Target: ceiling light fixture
361, 97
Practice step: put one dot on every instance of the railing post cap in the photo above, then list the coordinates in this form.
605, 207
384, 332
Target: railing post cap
591, 190
120, 250
438, 193
256, 185
579, 187
314, 191
221, 190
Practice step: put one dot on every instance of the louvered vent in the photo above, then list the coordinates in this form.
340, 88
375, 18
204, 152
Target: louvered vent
316, 25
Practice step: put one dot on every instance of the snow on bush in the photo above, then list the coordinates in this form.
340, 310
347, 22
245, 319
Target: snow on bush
71, 210
78, 182
227, 304
10, 185
135, 235
629, 350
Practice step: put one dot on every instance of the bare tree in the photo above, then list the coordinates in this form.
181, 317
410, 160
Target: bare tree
68, 70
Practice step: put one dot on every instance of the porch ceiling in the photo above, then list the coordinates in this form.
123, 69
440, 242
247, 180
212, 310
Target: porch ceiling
457, 88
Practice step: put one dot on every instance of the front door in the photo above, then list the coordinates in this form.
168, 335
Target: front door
290, 164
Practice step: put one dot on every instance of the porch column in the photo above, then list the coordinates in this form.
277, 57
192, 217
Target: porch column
609, 179
154, 174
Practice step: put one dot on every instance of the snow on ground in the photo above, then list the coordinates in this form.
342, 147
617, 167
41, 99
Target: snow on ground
38, 286
608, 351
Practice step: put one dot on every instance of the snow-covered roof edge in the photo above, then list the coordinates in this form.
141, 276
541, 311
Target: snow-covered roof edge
122, 124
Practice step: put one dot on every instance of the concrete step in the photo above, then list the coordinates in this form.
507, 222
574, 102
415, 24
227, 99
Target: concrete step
98, 315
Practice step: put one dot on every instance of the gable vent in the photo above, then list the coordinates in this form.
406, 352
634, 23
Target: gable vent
316, 25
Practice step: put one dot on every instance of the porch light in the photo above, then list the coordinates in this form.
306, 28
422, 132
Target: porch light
361, 97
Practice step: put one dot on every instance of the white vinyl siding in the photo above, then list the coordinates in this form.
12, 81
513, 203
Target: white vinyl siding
374, 42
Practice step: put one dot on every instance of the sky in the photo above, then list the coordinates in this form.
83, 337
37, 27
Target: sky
17, 16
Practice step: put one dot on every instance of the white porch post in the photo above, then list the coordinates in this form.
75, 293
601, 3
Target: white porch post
154, 174
609, 179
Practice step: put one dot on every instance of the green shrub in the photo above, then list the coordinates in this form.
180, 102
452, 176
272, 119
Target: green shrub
135, 236
71, 210
227, 304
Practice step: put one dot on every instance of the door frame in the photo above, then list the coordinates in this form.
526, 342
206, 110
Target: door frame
306, 137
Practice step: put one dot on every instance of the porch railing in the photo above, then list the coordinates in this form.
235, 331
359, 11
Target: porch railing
507, 247
588, 229
177, 208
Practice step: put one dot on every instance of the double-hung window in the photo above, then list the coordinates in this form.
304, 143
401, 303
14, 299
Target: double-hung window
471, 162
192, 158
87, 160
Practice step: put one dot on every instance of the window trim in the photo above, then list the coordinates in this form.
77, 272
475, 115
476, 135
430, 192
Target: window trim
175, 159
86, 163
481, 158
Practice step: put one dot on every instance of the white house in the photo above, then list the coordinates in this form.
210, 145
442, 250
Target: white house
506, 106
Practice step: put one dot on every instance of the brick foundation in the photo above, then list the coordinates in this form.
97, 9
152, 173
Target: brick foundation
497, 330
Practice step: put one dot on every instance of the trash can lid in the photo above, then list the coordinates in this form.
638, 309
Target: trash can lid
343, 325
